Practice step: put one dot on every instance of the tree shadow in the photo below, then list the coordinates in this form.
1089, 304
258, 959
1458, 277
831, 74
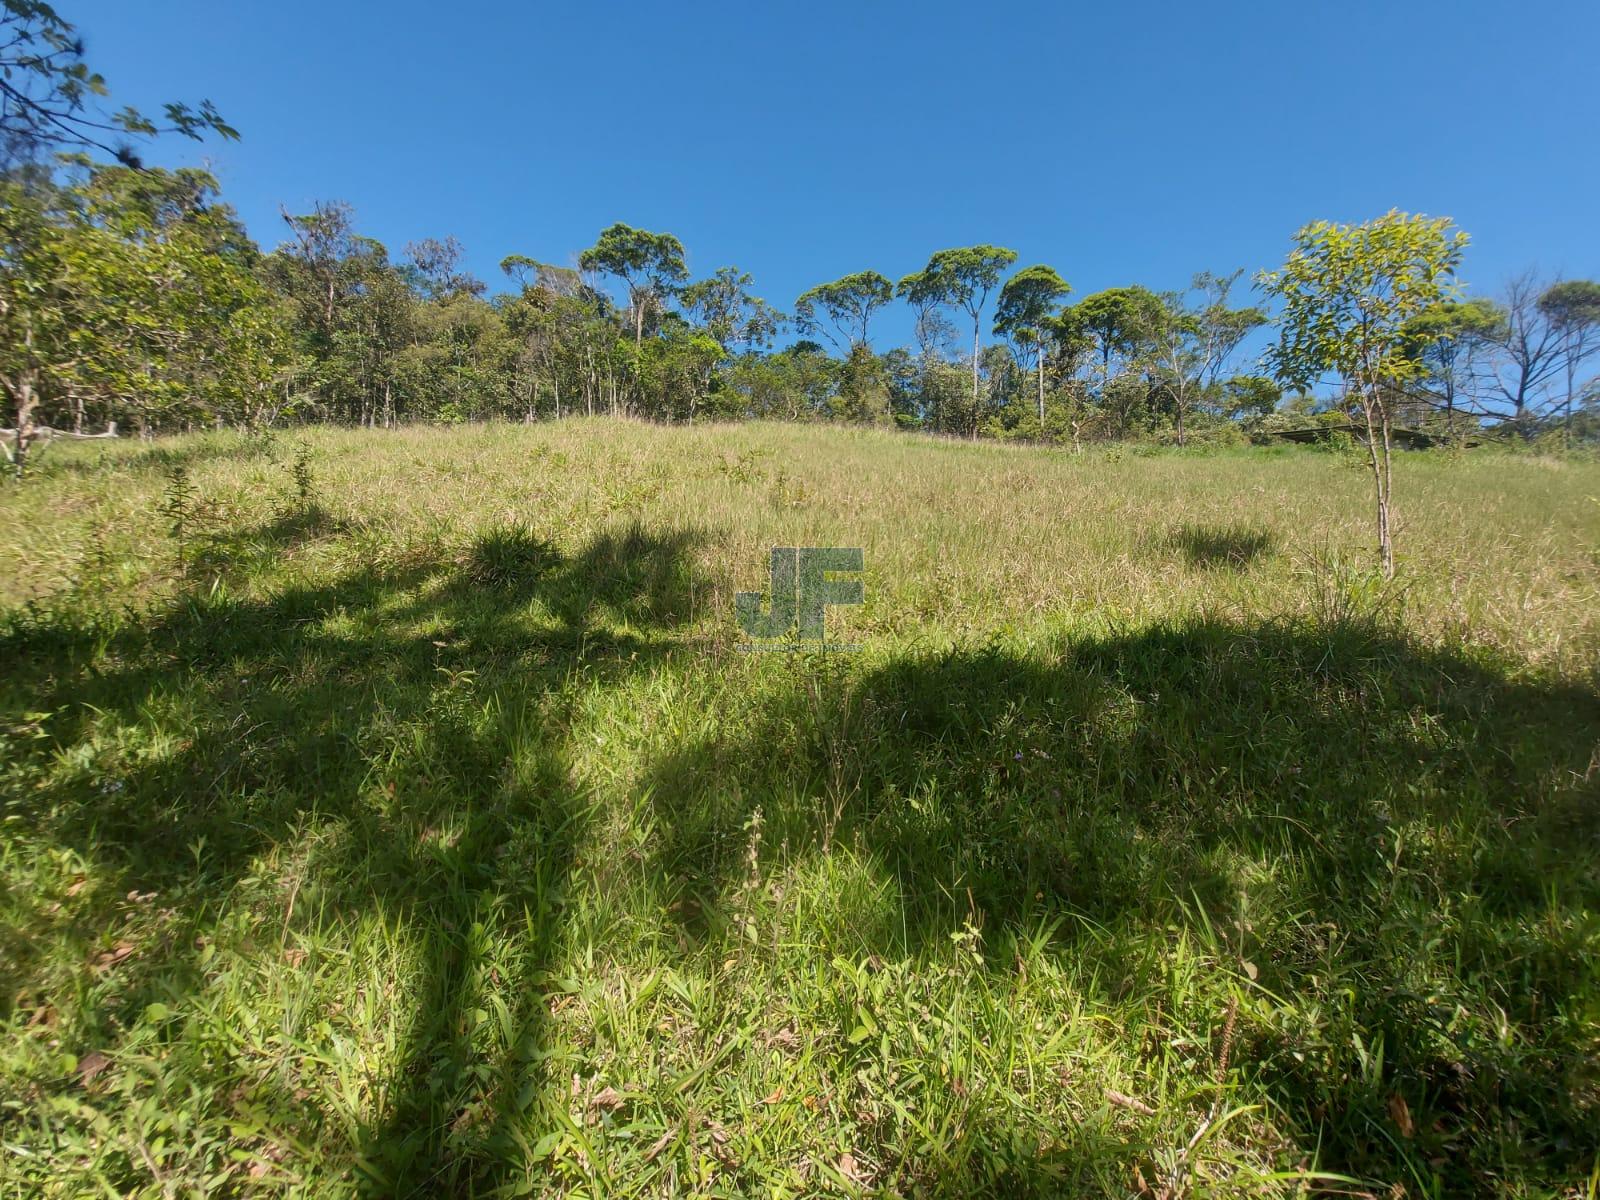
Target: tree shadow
1216, 547
407, 732
141, 457
1418, 826
404, 731
235, 552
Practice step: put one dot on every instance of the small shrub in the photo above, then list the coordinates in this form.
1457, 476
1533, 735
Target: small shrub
1352, 594
508, 555
305, 484
178, 508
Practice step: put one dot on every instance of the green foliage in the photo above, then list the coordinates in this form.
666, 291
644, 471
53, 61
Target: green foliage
1350, 295
130, 296
1119, 321
847, 304
1572, 304
177, 507
300, 472
49, 96
650, 264
1028, 297
509, 555
960, 278
729, 312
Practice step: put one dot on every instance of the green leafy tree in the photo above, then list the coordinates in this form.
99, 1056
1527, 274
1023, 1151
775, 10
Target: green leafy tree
962, 278
353, 311
37, 309
797, 383
131, 295
650, 266
179, 328
1349, 296
1026, 301
1452, 340
847, 305
863, 397
1115, 334
50, 99
1119, 323
1573, 309
1195, 339
729, 312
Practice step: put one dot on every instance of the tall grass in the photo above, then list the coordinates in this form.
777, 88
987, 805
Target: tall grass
427, 833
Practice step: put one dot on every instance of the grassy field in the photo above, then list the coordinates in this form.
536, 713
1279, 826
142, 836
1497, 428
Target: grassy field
414, 825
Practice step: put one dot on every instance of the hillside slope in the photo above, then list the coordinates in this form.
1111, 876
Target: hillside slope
417, 821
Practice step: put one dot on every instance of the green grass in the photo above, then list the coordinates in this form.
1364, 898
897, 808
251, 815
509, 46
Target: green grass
420, 829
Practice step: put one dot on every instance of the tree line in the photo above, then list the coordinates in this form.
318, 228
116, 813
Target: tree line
134, 295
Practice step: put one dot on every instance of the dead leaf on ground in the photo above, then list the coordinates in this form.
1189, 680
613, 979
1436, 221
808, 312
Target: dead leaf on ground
1401, 1112
852, 1170
91, 1065
1128, 1102
606, 1100
110, 958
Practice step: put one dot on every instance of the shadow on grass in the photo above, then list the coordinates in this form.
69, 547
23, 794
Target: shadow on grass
129, 453
1419, 825
408, 728
231, 553
1419, 830
1214, 547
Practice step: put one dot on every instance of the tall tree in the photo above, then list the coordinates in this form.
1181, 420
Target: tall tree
1196, 339
36, 308
1026, 301
650, 266
434, 267
847, 304
729, 312
1528, 355
1118, 327
1573, 310
962, 278
1454, 339
1350, 294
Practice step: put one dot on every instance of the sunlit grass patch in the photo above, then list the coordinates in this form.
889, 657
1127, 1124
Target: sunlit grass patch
445, 844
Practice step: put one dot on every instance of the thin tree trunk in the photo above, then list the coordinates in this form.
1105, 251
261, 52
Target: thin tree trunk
1379, 458
1041, 392
27, 399
976, 334
1566, 423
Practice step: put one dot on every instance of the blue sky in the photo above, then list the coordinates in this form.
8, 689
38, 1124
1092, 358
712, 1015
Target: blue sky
1120, 143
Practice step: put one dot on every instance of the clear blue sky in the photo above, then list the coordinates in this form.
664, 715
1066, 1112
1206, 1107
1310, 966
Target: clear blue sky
1120, 143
